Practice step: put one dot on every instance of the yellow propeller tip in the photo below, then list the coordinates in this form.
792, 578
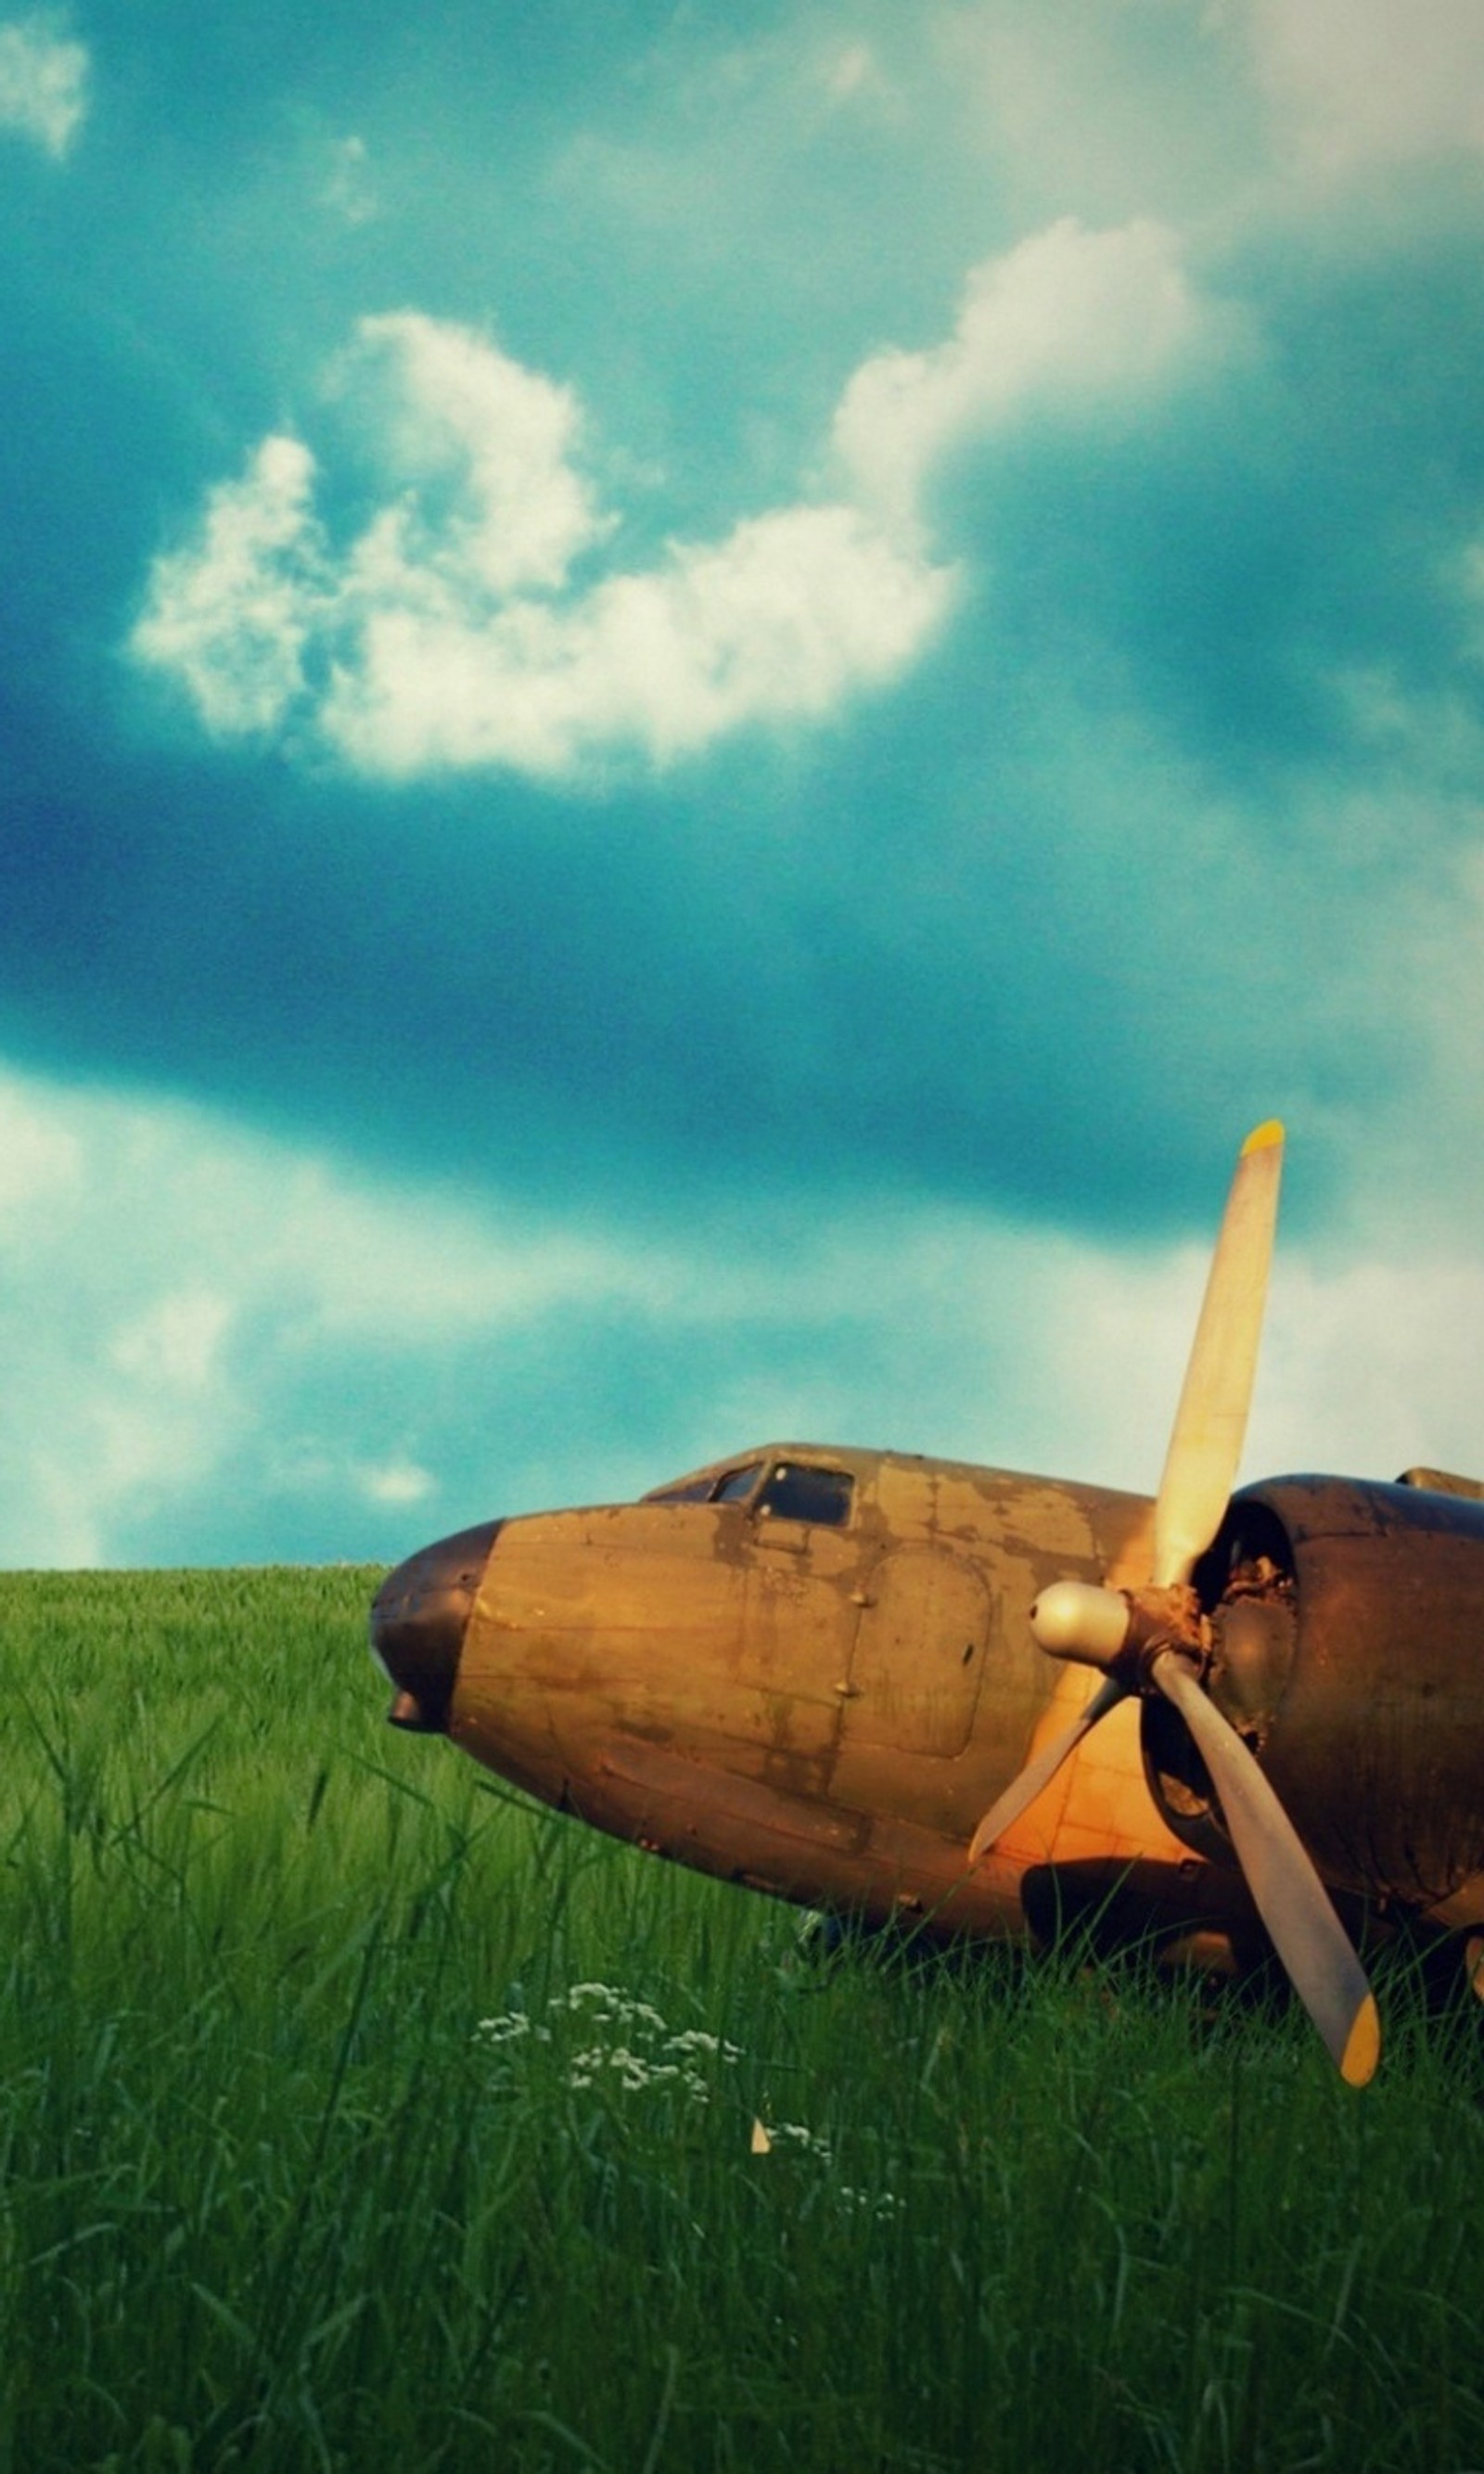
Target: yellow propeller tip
1262, 1137
1362, 2046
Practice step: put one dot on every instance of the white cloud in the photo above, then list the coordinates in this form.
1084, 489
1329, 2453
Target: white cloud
1357, 82
466, 624
1373, 1366
780, 620
460, 411
231, 615
176, 1343
346, 187
43, 83
1069, 317
398, 1483
850, 71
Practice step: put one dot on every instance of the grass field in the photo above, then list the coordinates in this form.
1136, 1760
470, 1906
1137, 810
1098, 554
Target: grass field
354, 2114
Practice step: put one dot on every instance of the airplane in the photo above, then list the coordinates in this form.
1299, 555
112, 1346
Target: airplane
859, 1681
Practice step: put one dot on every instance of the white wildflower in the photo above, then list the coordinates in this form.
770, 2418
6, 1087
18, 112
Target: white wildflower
629, 2045
880, 2204
505, 2030
697, 2040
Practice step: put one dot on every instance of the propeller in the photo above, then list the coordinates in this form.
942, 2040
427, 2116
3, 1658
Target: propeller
1150, 1639
1023, 1790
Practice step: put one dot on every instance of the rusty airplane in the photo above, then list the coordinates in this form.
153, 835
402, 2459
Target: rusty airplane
825, 1673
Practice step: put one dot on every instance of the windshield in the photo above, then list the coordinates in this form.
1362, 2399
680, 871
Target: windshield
733, 1486
793, 1491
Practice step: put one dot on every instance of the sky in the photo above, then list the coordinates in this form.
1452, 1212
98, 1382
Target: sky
697, 702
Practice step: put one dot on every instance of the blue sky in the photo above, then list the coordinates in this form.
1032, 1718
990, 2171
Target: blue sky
694, 705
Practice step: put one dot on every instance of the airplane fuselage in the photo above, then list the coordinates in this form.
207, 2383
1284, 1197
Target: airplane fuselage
814, 1687
811, 1669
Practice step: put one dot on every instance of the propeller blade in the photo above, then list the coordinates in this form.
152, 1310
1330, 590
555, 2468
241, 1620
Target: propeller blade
1022, 1791
1210, 1422
1290, 1898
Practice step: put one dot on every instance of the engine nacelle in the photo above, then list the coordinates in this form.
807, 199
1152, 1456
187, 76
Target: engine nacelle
1347, 1625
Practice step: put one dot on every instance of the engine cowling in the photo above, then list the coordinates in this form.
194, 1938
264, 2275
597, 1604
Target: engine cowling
1346, 1626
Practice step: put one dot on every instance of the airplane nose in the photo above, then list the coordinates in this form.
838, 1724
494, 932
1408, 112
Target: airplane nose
418, 1620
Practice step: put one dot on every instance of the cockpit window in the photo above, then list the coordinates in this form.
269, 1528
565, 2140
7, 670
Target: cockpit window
793, 1491
796, 1493
734, 1485
738, 1484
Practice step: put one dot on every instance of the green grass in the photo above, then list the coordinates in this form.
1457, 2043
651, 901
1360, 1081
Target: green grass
272, 2197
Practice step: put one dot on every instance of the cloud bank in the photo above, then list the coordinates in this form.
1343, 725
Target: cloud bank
217, 1344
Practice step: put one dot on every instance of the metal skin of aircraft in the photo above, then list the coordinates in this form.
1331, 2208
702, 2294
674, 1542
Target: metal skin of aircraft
859, 1680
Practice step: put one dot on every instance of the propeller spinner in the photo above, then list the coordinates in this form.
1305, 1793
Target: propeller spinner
1151, 1640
